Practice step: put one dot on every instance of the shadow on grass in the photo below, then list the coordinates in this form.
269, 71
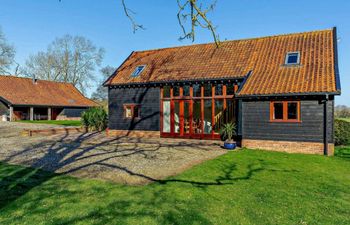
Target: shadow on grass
15, 181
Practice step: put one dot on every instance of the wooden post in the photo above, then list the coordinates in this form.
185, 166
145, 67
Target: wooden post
31, 113
11, 113
49, 113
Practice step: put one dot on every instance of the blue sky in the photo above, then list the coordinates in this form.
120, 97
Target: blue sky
32, 25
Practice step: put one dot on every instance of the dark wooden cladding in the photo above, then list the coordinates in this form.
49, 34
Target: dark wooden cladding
149, 100
256, 122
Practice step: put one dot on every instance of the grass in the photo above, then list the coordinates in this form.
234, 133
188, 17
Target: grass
54, 122
243, 187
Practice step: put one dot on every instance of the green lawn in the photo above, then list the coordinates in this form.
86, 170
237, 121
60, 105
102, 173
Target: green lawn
244, 187
55, 122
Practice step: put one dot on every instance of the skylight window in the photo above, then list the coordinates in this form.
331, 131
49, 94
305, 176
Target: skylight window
292, 58
138, 71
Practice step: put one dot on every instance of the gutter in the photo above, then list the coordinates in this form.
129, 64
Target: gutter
287, 94
203, 80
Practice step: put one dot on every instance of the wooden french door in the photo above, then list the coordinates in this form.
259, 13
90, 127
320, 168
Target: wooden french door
181, 117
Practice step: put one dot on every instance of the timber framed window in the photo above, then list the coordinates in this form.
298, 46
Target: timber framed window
285, 111
132, 111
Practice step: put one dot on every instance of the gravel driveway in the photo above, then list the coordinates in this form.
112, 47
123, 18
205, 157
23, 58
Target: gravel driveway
93, 155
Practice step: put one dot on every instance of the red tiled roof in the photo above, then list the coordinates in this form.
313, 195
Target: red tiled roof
264, 57
22, 91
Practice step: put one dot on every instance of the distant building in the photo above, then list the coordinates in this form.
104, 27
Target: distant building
31, 99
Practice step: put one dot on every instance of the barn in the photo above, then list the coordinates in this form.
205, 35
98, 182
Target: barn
33, 99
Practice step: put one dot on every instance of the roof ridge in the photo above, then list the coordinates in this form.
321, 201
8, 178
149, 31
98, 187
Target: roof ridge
28, 78
236, 40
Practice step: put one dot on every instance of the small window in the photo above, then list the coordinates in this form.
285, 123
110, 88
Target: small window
131, 111
166, 92
207, 90
186, 90
230, 89
138, 71
219, 89
285, 111
197, 90
292, 58
176, 91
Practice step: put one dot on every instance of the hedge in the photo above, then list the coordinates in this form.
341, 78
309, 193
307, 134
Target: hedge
342, 132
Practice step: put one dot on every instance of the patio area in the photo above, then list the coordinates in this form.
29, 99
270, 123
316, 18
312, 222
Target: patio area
126, 160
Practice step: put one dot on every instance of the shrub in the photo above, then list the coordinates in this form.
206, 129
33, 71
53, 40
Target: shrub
341, 132
227, 131
95, 119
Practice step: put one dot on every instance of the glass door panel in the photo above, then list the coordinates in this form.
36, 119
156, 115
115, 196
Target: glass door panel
166, 116
196, 117
176, 117
186, 117
218, 114
207, 123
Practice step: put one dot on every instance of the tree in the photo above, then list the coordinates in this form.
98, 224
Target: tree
191, 14
101, 93
68, 59
7, 54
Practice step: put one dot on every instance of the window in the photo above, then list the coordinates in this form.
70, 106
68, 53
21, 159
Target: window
285, 111
176, 91
292, 58
131, 111
186, 90
166, 92
207, 90
230, 89
138, 71
197, 90
219, 89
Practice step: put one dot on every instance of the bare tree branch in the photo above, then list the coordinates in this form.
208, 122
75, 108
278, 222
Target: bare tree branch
128, 12
187, 9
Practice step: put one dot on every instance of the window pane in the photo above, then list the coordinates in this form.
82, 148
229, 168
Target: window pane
186, 117
278, 111
230, 89
176, 91
292, 58
230, 111
136, 111
186, 90
128, 113
207, 117
207, 90
292, 111
196, 120
196, 90
166, 116
218, 89
177, 117
218, 114
166, 91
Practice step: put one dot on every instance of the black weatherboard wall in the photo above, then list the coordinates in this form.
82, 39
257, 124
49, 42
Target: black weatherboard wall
149, 100
257, 126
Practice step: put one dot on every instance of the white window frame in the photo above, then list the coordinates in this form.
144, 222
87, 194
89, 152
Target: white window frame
287, 57
138, 74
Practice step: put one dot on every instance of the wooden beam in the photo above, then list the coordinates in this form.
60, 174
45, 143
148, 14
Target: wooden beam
31, 113
11, 113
